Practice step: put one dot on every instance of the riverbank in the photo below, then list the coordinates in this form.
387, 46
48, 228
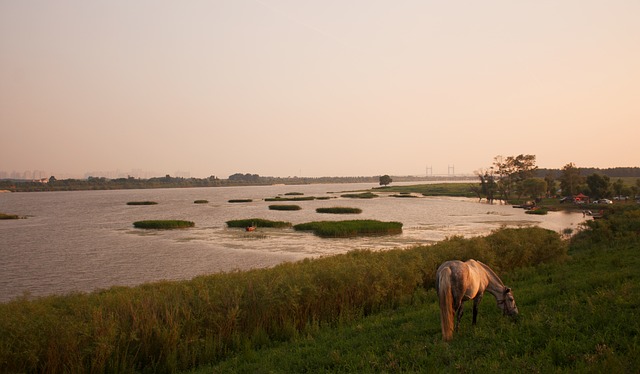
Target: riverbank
575, 316
171, 326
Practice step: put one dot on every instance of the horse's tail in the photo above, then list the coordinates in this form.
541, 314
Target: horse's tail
446, 304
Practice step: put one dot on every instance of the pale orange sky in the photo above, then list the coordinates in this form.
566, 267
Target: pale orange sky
317, 88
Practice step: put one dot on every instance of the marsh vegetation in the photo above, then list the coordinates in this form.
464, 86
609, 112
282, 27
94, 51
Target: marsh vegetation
349, 229
142, 203
163, 224
339, 210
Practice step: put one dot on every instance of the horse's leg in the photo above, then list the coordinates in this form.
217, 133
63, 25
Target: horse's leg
476, 302
459, 313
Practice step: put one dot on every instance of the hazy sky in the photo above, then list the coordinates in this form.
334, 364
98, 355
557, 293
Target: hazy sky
317, 88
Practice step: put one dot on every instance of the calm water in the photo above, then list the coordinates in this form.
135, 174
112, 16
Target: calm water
83, 241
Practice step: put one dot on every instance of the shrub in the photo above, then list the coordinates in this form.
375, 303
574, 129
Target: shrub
163, 224
346, 229
142, 203
339, 210
257, 222
284, 207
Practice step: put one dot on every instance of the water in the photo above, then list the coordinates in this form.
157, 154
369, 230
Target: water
83, 241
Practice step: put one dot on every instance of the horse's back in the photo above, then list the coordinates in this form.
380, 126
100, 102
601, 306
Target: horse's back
466, 277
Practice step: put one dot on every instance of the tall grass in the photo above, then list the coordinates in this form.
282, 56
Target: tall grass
284, 207
361, 195
9, 216
351, 228
163, 224
257, 222
339, 210
142, 203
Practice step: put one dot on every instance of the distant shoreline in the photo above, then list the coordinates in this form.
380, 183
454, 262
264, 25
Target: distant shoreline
12, 185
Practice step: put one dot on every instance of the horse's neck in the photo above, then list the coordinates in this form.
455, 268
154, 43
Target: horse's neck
495, 285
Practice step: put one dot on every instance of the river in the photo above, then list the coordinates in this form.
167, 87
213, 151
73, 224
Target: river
84, 240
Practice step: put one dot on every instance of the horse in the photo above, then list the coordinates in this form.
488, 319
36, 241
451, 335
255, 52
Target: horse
457, 282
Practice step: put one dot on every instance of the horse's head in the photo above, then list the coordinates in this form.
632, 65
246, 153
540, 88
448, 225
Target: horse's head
508, 303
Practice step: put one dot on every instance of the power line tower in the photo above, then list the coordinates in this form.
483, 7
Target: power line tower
451, 170
429, 171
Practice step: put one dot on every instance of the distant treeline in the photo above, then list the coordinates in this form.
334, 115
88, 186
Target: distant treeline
238, 179
619, 172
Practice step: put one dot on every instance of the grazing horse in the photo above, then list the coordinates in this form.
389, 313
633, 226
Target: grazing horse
457, 282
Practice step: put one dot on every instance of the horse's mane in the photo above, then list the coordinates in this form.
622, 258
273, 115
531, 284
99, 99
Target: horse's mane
491, 273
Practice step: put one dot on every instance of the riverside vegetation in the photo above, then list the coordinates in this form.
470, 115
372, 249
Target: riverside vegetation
357, 312
163, 224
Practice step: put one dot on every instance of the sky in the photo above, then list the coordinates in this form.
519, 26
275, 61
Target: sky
316, 88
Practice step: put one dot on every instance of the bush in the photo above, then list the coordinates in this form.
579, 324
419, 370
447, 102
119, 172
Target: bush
240, 200
346, 229
257, 222
339, 210
284, 207
201, 202
142, 203
163, 224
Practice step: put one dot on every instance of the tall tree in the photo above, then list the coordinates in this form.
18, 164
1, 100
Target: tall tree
551, 184
512, 171
534, 187
570, 179
618, 187
385, 180
599, 185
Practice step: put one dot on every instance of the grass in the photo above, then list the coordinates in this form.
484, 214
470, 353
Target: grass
142, 203
8, 216
284, 207
575, 317
362, 311
297, 198
537, 211
257, 222
348, 229
163, 224
339, 210
361, 195
436, 189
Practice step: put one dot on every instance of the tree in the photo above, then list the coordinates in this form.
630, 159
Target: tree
534, 187
385, 180
570, 179
488, 185
512, 171
598, 185
618, 186
551, 185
